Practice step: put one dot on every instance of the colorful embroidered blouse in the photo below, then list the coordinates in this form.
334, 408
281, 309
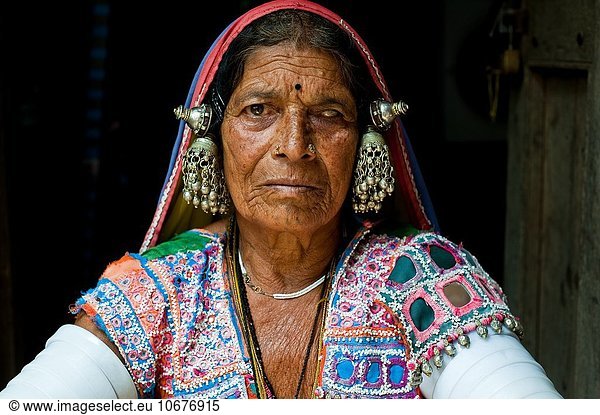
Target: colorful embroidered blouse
388, 319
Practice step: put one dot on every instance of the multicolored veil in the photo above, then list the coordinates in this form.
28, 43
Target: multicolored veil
173, 215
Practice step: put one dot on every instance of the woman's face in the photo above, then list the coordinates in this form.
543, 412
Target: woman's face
287, 99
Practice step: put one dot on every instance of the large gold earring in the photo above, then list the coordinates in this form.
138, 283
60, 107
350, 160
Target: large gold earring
203, 179
373, 174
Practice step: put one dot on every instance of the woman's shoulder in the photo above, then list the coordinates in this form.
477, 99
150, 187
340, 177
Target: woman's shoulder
192, 243
424, 260
157, 273
420, 245
437, 289
193, 240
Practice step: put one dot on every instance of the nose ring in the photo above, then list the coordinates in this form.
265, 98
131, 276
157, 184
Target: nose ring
277, 151
312, 149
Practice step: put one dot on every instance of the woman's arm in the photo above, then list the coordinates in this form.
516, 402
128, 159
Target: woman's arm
78, 362
496, 367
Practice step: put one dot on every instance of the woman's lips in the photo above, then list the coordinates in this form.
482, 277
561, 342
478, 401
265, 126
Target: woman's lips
289, 182
286, 185
290, 189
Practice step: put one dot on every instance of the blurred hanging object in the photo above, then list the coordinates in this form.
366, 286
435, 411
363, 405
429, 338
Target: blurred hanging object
509, 26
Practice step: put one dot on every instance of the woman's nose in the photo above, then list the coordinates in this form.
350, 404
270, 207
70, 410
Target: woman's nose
295, 143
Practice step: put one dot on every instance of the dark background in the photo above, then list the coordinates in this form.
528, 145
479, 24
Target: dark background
87, 92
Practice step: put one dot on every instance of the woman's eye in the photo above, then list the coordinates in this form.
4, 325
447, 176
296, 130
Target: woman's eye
331, 114
257, 109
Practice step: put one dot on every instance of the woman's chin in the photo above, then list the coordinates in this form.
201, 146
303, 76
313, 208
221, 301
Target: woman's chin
293, 217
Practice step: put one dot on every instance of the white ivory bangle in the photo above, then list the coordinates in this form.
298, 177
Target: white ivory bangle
496, 367
74, 364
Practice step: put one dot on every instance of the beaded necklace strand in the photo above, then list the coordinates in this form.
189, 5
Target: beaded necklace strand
263, 386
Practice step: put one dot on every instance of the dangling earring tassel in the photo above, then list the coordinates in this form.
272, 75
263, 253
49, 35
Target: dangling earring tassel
203, 179
373, 176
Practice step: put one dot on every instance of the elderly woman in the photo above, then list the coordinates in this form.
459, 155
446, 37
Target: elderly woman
277, 265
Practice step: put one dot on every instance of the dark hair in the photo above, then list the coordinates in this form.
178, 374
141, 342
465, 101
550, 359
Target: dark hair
301, 29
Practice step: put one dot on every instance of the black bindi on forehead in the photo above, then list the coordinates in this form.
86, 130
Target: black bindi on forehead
297, 86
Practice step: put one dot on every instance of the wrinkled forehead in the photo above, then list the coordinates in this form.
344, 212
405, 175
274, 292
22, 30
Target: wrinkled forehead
289, 70
284, 72
294, 62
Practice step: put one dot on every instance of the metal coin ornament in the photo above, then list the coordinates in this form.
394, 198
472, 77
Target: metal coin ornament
203, 180
373, 174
